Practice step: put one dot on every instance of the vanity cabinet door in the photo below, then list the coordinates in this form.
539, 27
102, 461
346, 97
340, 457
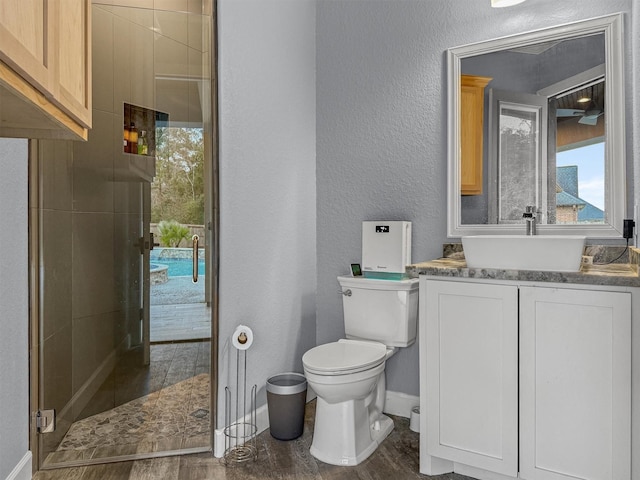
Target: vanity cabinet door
472, 374
575, 384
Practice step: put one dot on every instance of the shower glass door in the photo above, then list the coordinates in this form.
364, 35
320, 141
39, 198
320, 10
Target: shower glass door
118, 392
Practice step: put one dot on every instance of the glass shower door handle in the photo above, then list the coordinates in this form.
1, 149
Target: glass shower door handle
152, 241
194, 241
143, 244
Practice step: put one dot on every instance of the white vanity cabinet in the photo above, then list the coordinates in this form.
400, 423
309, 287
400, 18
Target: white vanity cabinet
575, 384
527, 381
471, 340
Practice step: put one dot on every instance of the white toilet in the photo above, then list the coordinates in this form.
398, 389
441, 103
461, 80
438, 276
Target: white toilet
348, 375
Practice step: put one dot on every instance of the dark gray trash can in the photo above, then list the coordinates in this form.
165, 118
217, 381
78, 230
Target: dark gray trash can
286, 398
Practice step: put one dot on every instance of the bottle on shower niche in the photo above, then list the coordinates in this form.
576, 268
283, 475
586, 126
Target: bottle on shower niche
143, 146
133, 138
125, 138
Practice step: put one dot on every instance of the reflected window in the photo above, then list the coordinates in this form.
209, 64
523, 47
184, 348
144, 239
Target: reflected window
518, 161
580, 154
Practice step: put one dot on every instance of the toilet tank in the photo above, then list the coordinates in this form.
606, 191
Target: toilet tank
385, 311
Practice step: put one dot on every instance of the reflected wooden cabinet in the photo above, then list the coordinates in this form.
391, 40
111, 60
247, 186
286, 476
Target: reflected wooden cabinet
471, 133
45, 68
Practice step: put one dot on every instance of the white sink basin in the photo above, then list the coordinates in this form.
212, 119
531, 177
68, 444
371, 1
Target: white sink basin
557, 253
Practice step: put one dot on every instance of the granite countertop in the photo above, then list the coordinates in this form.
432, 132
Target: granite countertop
615, 274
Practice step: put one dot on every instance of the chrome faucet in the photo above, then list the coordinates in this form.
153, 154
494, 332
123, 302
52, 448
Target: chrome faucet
529, 216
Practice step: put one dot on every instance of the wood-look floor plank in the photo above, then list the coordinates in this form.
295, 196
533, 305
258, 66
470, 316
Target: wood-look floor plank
60, 474
163, 352
69, 456
155, 469
204, 355
108, 451
109, 471
397, 458
201, 466
113, 471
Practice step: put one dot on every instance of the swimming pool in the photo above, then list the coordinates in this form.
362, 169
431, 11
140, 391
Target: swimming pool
179, 267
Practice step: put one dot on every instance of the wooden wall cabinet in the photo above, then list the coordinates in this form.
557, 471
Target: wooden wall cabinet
471, 133
45, 68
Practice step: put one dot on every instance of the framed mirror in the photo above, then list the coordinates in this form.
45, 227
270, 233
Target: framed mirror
537, 119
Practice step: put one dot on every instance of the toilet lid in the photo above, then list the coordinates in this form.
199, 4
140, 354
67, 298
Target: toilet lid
344, 356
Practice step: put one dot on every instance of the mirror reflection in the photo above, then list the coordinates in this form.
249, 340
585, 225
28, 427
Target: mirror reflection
519, 111
535, 126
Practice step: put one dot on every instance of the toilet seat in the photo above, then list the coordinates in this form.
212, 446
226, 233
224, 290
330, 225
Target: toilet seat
344, 357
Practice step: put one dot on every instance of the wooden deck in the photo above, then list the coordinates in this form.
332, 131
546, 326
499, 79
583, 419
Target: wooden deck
190, 321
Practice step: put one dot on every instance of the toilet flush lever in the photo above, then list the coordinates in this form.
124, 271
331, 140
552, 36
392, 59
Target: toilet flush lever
346, 293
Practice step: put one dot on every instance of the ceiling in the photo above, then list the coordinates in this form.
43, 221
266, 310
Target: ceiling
570, 100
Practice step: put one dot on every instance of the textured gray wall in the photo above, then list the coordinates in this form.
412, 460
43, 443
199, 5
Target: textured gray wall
381, 125
267, 185
14, 306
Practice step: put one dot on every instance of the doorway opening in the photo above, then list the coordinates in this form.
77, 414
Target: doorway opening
180, 309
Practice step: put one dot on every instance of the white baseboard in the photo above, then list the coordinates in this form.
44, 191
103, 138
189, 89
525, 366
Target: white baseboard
262, 414
89, 388
22, 471
67, 414
400, 404
396, 403
262, 423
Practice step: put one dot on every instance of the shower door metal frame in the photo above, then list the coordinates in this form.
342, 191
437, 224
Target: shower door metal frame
34, 303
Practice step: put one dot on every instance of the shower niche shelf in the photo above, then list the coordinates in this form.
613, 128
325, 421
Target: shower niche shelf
139, 129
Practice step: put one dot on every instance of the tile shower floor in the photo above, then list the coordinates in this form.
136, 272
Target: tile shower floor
164, 406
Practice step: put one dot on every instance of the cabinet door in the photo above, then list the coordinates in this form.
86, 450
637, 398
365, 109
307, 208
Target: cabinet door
472, 374
575, 384
24, 25
72, 57
45, 68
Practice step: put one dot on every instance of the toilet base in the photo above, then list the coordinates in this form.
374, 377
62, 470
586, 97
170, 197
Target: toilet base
343, 433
